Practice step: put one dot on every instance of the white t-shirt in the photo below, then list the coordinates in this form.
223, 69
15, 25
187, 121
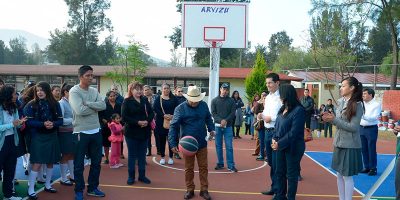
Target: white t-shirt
272, 105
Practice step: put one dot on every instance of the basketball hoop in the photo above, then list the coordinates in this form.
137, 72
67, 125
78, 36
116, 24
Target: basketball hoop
213, 43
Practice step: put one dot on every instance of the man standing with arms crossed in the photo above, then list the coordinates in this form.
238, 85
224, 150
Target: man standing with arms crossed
308, 104
223, 110
369, 131
193, 118
86, 102
271, 107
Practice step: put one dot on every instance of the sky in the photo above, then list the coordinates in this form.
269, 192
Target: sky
151, 21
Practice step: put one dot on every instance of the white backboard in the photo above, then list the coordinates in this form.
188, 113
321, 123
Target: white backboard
204, 22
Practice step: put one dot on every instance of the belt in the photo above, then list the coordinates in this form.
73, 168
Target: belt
371, 126
269, 129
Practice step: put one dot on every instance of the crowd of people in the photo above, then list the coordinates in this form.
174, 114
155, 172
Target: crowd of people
66, 124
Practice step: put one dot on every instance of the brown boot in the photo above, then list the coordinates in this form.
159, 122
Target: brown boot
205, 195
188, 195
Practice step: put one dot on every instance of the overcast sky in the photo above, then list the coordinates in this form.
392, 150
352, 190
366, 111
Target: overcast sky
150, 21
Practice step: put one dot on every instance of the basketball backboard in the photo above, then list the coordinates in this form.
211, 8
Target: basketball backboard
207, 22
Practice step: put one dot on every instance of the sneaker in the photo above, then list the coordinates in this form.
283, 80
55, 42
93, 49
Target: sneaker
78, 195
120, 164
233, 169
162, 161
12, 198
170, 161
96, 193
116, 166
219, 167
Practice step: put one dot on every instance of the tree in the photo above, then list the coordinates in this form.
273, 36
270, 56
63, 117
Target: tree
293, 58
373, 9
277, 43
379, 42
255, 80
129, 64
37, 55
78, 44
18, 51
3, 49
176, 58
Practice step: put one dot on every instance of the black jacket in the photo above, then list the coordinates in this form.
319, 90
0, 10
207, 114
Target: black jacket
132, 112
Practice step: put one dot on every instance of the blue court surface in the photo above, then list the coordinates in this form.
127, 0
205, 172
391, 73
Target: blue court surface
363, 182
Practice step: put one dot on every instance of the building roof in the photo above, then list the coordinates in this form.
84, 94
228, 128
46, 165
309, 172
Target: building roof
335, 77
153, 72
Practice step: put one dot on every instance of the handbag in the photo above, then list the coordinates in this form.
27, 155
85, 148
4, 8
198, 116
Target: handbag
307, 135
166, 122
259, 124
153, 122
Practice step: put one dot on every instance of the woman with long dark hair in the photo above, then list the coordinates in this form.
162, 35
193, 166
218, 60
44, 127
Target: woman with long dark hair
238, 120
112, 107
9, 122
44, 117
346, 159
137, 115
288, 143
65, 137
164, 106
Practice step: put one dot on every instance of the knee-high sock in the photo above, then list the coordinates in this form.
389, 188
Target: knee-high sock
340, 185
63, 170
349, 187
49, 174
32, 179
71, 168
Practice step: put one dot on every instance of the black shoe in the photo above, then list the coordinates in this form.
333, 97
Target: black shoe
158, 153
66, 183
188, 195
32, 196
144, 180
41, 182
219, 167
130, 181
233, 169
364, 171
50, 190
268, 192
72, 180
205, 195
372, 172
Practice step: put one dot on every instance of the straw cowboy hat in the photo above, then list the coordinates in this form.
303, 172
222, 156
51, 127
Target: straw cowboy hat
193, 94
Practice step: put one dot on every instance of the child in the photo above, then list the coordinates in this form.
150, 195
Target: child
115, 138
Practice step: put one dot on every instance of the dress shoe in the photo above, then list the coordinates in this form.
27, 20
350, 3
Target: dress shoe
260, 158
205, 195
254, 154
364, 171
372, 172
188, 195
32, 196
268, 192
50, 190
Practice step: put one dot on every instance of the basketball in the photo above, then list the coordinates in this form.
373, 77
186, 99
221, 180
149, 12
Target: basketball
188, 145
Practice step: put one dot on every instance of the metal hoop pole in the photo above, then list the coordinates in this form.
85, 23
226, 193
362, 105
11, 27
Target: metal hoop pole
213, 85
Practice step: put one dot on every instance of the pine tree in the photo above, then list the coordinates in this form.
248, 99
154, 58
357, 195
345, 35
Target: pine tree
255, 81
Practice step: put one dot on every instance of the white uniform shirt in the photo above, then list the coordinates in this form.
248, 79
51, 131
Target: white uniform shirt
272, 105
372, 111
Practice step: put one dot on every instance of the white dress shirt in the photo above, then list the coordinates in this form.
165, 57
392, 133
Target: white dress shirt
372, 111
272, 105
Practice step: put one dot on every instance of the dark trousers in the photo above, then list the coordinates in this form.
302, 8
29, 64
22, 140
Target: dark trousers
92, 145
148, 145
247, 129
237, 131
328, 127
157, 138
261, 136
163, 143
269, 152
122, 148
136, 151
397, 178
8, 161
369, 136
308, 119
287, 163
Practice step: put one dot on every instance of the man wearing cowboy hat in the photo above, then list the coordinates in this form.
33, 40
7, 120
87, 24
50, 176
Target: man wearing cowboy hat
191, 119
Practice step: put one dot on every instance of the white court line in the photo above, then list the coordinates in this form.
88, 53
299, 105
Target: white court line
362, 194
385, 154
380, 180
210, 172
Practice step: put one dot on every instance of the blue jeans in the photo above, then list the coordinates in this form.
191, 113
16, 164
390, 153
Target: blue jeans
369, 136
226, 133
270, 157
261, 138
136, 151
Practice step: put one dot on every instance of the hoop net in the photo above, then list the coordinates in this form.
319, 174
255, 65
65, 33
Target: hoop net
213, 43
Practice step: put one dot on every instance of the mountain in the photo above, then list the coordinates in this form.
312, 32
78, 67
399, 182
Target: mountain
8, 34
